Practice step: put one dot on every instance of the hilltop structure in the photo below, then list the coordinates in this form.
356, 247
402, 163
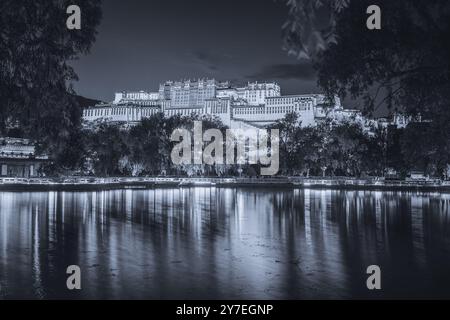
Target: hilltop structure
256, 104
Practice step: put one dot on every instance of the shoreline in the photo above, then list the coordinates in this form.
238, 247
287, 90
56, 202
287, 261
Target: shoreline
131, 183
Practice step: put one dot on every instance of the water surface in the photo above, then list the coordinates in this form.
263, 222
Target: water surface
197, 243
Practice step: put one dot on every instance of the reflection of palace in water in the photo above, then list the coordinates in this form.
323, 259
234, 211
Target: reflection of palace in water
241, 243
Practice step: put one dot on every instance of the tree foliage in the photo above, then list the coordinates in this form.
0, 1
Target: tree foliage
35, 76
328, 149
343, 149
144, 149
404, 66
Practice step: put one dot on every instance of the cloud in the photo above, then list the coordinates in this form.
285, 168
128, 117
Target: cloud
287, 71
209, 60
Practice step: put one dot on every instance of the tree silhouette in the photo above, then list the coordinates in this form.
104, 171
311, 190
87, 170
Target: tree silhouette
35, 76
404, 66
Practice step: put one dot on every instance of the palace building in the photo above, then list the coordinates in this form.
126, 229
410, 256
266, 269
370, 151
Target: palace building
256, 104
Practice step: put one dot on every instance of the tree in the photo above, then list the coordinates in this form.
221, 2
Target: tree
35, 76
310, 146
375, 157
421, 147
149, 144
394, 155
404, 66
106, 147
288, 127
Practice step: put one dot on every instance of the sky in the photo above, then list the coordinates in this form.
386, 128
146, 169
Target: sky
142, 43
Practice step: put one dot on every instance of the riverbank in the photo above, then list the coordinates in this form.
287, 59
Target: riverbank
90, 183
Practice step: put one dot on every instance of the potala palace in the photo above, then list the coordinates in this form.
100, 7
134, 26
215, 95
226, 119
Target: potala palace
255, 105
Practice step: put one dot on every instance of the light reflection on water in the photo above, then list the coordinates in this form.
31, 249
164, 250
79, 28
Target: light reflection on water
224, 243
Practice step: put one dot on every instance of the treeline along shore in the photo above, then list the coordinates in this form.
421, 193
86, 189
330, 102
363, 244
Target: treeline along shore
114, 183
328, 149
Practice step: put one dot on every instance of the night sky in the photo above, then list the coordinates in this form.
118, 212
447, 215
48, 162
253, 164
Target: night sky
142, 43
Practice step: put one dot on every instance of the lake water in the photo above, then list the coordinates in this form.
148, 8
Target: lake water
196, 243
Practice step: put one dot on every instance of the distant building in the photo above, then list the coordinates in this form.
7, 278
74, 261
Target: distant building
256, 93
401, 121
341, 115
227, 93
417, 175
18, 158
135, 97
275, 108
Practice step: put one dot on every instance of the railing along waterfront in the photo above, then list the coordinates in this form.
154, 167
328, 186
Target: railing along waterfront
230, 181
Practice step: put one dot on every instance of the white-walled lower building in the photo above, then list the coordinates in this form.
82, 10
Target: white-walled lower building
123, 113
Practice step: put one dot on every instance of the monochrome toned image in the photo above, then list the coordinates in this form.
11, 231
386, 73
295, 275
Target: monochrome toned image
224, 150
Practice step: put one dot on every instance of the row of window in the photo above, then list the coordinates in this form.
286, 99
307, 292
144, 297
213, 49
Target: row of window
219, 109
119, 111
183, 112
277, 100
249, 111
136, 96
143, 102
284, 109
